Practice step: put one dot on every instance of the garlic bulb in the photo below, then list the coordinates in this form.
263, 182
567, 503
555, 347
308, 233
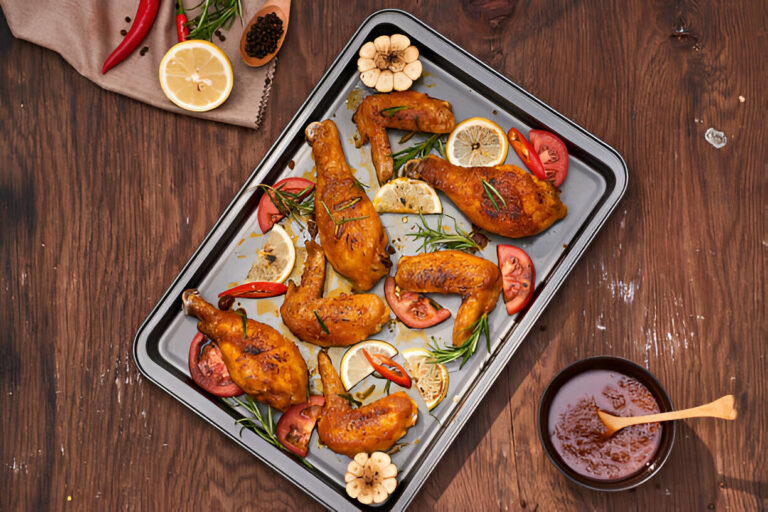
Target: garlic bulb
371, 479
389, 63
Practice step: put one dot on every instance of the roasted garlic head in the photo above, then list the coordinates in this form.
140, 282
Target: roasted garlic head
371, 479
389, 63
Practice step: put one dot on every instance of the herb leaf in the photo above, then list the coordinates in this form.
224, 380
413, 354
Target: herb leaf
214, 15
464, 351
434, 239
244, 318
418, 151
291, 204
320, 321
339, 223
349, 398
390, 111
490, 191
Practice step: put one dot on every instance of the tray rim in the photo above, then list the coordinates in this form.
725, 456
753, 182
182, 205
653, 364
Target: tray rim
315, 485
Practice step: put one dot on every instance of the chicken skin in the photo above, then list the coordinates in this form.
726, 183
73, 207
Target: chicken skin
349, 227
527, 205
421, 114
265, 364
477, 280
373, 427
347, 318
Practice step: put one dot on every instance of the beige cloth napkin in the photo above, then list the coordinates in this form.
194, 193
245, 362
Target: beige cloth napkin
85, 32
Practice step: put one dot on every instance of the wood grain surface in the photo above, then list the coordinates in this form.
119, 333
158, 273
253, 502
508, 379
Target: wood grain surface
103, 199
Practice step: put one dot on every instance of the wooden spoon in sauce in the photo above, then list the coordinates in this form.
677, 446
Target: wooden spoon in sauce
720, 408
282, 8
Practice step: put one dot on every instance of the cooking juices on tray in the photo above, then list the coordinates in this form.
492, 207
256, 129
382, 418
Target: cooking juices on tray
579, 437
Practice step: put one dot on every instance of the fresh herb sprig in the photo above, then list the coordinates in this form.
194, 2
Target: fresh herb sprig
433, 239
390, 111
464, 351
291, 204
244, 318
491, 191
320, 321
353, 402
214, 15
265, 428
436, 142
339, 223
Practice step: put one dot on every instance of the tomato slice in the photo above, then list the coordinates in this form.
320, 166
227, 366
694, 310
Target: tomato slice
413, 309
208, 369
268, 213
295, 426
256, 290
552, 153
518, 277
526, 153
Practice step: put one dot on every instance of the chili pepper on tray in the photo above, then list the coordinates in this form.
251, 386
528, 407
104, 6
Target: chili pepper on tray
256, 290
142, 22
182, 30
402, 378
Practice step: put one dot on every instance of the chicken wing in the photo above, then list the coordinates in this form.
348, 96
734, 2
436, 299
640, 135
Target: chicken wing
373, 427
349, 227
346, 319
408, 110
264, 363
526, 206
477, 280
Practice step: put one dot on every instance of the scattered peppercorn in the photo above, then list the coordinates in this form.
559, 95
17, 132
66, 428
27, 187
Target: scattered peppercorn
263, 36
123, 32
127, 19
144, 50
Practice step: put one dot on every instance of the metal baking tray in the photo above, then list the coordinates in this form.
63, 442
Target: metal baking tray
596, 181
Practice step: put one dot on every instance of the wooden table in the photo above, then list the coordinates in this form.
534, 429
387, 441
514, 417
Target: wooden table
103, 199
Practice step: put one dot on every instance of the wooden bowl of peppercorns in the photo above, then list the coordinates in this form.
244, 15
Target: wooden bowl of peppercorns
264, 34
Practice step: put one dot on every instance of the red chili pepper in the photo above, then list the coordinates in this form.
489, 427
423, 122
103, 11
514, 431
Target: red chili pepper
526, 153
182, 30
256, 290
142, 22
402, 379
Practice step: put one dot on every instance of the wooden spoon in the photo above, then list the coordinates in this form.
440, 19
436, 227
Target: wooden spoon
283, 10
720, 408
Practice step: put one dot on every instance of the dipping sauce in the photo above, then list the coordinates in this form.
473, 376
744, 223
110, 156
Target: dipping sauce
578, 435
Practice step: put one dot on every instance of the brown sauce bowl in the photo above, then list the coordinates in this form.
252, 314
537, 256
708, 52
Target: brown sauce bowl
629, 369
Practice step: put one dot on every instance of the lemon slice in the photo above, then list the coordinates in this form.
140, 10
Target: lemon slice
275, 261
431, 378
477, 142
196, 75
404, 195
355, 367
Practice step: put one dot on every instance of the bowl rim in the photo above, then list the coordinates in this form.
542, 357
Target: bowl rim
614, 363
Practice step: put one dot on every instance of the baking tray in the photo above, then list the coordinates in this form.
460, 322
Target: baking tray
596, 182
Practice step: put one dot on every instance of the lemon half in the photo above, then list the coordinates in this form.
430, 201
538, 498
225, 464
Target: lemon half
355, 367
477, 142
431, 378
196, 75
276, 259
405, 195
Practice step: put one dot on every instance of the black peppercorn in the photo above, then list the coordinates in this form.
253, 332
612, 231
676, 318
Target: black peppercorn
261, 40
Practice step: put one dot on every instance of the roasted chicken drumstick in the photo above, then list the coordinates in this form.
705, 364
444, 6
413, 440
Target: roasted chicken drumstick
477, 280
373, 427
408, 110
264, 363
524, 206
349, 227
346, 319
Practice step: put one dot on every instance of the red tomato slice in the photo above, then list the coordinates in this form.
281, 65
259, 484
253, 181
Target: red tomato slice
413, 309
526, 153
552, 153
268, 213
295, 426
208, 370
518, 277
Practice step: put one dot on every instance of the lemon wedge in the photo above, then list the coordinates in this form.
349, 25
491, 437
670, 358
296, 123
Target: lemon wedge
355, 367
276, 259
405, 195
196, 75
431, 378
477, 142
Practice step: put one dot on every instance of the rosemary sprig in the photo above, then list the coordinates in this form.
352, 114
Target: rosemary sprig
490, 191
244, 318
214, 15
291, 204
433, 239
349, 398
320, 321
362, 186
265, 429
464, 351
418, 151
390, 111
339, 223
348, 204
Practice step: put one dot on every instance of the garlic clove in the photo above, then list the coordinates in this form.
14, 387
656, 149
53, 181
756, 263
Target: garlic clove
410, 54
382, 44
388, 471
370, 78
365, 64
399, 42
368, 50
386, 81
366, 495
361, 458
380, 459
402, 82
379, 494
354, 488
413, 70
389, 484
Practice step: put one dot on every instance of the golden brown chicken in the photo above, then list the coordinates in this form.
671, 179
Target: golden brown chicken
408, 110
264, 363
349, 227
477, 280
346, 319
526, 204
373, 427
